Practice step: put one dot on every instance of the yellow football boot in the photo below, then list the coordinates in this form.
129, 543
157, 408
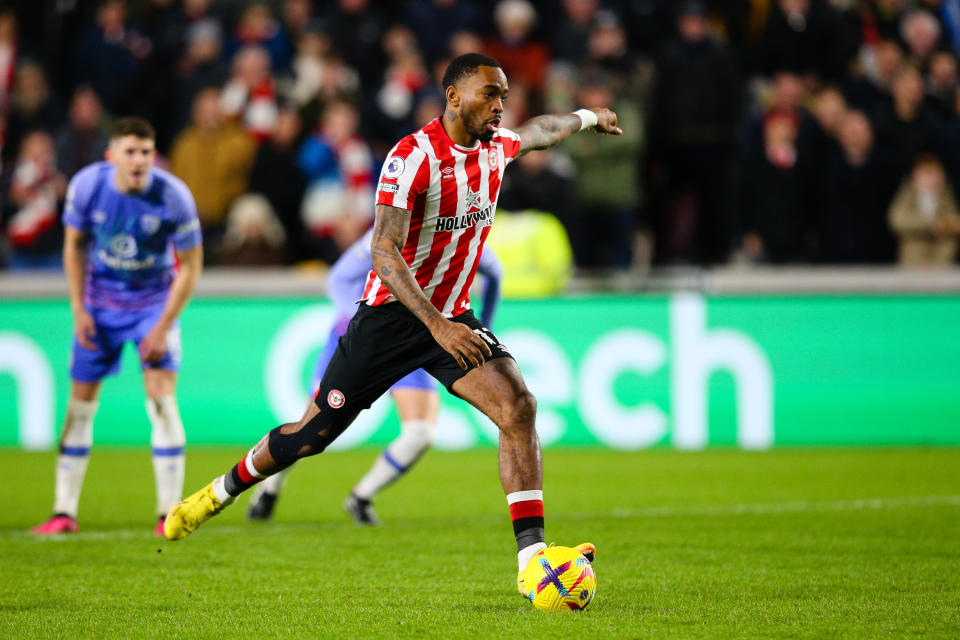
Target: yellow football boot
190, 513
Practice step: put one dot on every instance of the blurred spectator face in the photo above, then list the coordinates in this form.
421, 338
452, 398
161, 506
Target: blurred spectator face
8, 28
595, 95
204, 41
399, 41
112, 15
252, 65
888, 58
921, 32
30, 91
607, 38
907, 89
463, 42
693, 27
296, 13
37, 147
353, 6
206, 109
943, 71
928, 175
515, 19
287, 128
85, 109
340, 120
788, 90
855, 134
779, 139
313, 44
133, 157
256, 23
828, 108
196, 8
580, 12
428, 109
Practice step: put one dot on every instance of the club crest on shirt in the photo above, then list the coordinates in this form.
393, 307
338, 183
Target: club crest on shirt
493, 159
473, 199
150, 223
335, 399
394, 167
123, 245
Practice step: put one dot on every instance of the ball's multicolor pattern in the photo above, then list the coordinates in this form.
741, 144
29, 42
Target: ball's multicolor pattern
560, 578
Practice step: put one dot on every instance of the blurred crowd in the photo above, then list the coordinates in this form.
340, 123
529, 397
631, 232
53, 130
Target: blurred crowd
760, 131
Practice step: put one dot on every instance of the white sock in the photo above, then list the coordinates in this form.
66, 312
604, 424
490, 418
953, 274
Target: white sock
415, 438
221, 492
75, 443
274, 484
524, 555
168, 441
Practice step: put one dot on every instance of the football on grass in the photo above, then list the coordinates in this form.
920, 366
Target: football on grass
559, 579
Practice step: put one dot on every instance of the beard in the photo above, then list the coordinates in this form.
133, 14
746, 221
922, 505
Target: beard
478, 129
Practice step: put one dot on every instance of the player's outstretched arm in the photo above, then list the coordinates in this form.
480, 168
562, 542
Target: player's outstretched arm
153, 347
547, 130
390, 231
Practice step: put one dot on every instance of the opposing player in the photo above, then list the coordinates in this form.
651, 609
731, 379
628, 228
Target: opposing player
435, 203
415, 395
125, 220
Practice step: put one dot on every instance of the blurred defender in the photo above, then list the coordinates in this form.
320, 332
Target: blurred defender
436, 201
415, 394
124, 221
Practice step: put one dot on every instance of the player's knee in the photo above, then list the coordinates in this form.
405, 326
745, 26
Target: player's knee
78, 426
166, 425
420, 431
519, 412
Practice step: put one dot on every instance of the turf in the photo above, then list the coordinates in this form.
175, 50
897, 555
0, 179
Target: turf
722, 544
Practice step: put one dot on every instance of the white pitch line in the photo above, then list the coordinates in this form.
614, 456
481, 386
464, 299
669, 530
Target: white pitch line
758, 508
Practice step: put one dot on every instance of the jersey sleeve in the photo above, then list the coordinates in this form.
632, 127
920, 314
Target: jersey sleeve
76, 208
348, 274
187, 234
511, 143
405, 175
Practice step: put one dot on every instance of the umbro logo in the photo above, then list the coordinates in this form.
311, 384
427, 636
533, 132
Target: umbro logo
448, 172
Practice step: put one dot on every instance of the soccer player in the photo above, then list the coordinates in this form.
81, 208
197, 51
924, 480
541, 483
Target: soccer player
436, 200
125, 221
415, 394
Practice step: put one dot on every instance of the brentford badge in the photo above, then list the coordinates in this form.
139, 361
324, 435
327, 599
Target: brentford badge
493, 159
335, 399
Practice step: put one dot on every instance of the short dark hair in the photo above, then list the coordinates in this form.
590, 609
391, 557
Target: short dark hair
464, 66
133, 126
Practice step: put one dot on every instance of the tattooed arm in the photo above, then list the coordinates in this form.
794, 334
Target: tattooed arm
545, 131
390, 231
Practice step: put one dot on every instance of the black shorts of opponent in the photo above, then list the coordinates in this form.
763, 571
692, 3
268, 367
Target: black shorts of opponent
382, 345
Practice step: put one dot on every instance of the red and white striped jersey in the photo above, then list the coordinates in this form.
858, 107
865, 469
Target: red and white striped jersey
451, 193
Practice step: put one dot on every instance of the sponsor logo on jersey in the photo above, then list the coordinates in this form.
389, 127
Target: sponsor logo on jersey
394, 167
388, 187
335, 399
150, 223
123, 245
493, 159
473, 199
482, 218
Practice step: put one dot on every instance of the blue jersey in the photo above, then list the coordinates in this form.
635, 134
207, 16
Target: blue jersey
130, 257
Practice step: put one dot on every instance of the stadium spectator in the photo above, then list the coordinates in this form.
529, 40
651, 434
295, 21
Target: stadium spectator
777, 193
33, 106
434, 20
391, 115
36, 188
83, 139
607, 182
908, 127
277, 177
213, 157
110, 56
920, 31
697, 104
802, 36
942, 81
630, 77
254, 235
523, 56
297, 16
857, 184
338, 165
925, 217
250, 96
870, 90
568, 37
9, 50
200, 66
257, 27
356, 27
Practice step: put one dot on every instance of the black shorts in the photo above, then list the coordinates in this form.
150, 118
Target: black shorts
382, 345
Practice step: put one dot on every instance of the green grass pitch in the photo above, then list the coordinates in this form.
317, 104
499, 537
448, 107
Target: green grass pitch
721, 544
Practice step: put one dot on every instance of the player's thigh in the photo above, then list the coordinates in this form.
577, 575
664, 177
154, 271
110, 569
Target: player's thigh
498, 390
416, 403
158, 383
90, 366
85, 391
146, 321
